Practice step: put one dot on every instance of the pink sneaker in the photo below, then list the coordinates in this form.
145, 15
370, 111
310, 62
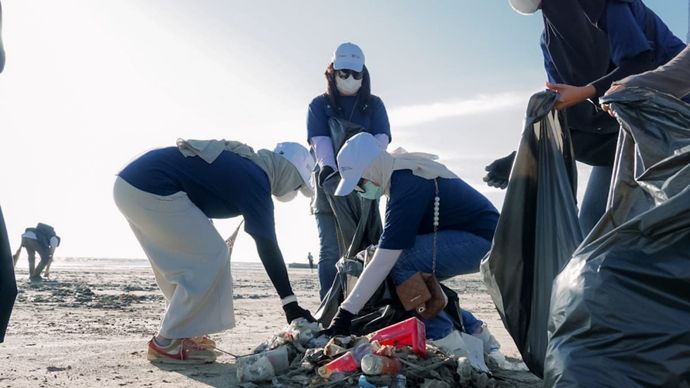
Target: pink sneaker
180, 351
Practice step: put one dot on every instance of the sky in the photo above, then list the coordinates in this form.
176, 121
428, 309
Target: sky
90, 85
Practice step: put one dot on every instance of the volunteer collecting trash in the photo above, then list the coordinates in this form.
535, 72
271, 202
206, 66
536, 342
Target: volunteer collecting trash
169, 195
431, 214
349, 101
41, 239
587, 45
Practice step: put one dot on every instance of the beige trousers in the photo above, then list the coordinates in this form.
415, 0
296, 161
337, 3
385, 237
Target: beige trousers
190, 260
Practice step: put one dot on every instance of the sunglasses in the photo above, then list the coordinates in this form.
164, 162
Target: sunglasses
345, 73
360, 185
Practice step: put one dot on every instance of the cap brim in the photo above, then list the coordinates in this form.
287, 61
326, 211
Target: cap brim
354, 66
346, 186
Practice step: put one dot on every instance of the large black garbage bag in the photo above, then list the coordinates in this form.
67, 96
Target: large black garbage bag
537, 232
8, 284
621, 307
358, 222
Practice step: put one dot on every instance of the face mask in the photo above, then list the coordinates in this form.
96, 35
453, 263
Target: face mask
371, 191
289, 196
349, 86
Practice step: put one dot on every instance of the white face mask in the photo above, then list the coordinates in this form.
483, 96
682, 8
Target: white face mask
349, 86
287, 197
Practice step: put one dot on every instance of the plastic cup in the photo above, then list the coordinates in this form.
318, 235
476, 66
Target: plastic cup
409, 332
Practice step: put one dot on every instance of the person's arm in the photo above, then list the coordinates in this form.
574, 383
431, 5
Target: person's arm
370, 280
323, 151
272, 260
630, 52
672, 78
318, 134
380, 125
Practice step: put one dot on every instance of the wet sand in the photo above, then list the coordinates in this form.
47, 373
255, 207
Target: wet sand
88, 327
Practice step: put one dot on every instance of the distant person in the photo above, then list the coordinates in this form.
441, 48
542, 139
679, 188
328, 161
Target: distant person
435, 222
348, 98
310, 258
41, 239
672, 78
8, 284
586, 46
169, 197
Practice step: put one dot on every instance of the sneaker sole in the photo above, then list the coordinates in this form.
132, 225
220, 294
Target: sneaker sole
158, 359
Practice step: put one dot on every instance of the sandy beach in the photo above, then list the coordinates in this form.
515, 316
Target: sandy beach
89, 324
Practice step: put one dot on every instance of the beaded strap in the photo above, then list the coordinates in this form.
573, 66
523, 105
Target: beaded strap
437, 204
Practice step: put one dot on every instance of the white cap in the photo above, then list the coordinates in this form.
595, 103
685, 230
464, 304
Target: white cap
300, 157
348, 56
525, 7
354, 158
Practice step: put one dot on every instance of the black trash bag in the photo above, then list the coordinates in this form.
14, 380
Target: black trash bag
348, 271
358, 222
383, 308
8, 283
621, 307
537, 231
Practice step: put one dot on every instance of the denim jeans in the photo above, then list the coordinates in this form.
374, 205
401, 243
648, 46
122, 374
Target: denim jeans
457, 253
328, 251
594, 201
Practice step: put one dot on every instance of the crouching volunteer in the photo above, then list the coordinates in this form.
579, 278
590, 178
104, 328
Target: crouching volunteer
465, 225
169, 195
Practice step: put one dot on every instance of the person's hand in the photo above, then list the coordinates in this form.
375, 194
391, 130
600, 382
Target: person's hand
606, 107
294, 311
340, 325
328, 179
571, 95
326, 173
499, 171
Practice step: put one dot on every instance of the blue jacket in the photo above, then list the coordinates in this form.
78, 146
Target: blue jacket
372, 116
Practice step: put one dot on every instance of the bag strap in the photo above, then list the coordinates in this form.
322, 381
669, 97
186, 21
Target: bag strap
437, 203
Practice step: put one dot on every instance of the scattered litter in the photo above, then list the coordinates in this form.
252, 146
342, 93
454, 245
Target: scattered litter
396, 356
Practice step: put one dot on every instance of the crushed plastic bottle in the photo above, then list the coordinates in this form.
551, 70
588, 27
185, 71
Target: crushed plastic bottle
349, 361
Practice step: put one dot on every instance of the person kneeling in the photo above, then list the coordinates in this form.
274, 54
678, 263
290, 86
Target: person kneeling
434, 223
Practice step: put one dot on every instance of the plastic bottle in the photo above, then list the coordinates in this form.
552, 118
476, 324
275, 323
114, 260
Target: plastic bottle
349, 361
344, 363
362, 350
380, 365
399, 381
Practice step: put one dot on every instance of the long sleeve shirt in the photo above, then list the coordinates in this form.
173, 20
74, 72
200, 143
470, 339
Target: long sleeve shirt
672, 78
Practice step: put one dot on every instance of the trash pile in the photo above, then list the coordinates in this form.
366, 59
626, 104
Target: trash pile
395, 356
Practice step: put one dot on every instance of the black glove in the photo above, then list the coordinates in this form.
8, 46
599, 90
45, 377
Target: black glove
499, 171
328, 179
294, 311
340, 325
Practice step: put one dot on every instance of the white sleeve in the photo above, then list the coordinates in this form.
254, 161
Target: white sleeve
323, 150
383, 140
370, 280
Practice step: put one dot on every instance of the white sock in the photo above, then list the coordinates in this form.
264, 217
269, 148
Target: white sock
162, 341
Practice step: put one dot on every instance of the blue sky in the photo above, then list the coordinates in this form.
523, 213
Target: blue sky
90, 85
